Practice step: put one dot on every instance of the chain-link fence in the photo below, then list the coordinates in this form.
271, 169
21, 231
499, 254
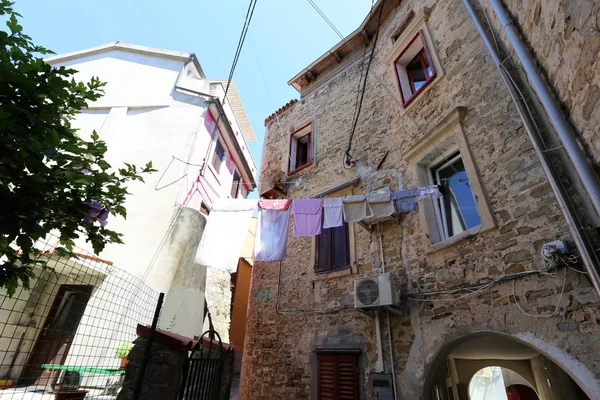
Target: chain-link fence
71, 332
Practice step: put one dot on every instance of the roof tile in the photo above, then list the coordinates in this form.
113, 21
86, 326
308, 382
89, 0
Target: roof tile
280, 111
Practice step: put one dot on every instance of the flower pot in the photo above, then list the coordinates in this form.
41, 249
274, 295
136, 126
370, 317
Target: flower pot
70, 394
123, 363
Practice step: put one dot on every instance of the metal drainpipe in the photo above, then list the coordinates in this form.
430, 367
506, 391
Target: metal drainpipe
560, 124
389, 327
588, 256
379, 362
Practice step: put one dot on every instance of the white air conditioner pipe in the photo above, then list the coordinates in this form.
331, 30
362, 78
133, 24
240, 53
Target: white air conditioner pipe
379, 362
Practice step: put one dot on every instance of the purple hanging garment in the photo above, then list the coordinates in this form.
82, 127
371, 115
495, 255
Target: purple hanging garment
307, 217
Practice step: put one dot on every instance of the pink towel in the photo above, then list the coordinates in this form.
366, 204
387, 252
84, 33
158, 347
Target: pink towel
277, 204
307, 217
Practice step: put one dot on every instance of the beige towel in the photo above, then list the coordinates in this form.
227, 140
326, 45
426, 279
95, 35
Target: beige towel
381, 203
356, 208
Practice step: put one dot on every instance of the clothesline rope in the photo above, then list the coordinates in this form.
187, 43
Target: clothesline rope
270, 242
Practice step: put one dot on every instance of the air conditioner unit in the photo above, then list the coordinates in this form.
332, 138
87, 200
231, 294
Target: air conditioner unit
375, 291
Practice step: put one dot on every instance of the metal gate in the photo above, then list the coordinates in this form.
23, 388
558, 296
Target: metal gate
203, 370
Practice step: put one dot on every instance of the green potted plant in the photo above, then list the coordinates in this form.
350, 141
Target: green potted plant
122, 352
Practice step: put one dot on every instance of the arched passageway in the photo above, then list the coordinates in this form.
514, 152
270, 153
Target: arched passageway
503, 362
498, 383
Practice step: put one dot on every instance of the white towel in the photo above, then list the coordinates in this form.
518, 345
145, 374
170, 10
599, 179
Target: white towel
381, 203
225, 232
270, 242
332, 208
356, 208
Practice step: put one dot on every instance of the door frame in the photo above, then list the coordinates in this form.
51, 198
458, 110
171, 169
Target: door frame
32, 373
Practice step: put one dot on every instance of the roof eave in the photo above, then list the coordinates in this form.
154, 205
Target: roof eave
331, 53
118, 45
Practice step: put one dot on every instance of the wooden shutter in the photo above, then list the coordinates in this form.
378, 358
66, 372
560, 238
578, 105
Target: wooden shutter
323, 250
332, 249
326, 376
337, 377
339, 247
347, 376
293, 149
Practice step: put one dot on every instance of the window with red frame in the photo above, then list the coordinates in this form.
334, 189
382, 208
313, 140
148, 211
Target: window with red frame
300, 149
414, 68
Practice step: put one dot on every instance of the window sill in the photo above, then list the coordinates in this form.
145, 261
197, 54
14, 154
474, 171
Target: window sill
456, 239
338, 273
302, 168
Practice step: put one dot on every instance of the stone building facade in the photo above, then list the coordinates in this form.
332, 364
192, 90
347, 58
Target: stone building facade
516, 313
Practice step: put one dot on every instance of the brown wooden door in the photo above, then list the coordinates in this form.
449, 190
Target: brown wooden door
337, 377
55, 339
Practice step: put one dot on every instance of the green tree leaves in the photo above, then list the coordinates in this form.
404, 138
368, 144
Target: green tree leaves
48, 175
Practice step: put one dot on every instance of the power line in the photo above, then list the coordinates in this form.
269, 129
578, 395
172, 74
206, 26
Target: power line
242, 39
362, 96
377, 77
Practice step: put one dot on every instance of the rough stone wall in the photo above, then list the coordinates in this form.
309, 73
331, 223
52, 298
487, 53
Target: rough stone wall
294, 312
164, 370
565, 39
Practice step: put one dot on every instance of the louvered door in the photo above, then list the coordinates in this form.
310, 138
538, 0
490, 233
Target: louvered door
337, 377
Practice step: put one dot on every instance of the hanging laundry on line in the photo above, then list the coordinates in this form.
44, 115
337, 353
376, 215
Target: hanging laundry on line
272, 230
406, 200
429, 191
332, 207
356, 208
380, 203
221, 246
307, 217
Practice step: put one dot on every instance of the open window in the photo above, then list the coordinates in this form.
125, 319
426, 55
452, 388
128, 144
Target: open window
456, 208
300, 149
218, 156
414, 68
443, 158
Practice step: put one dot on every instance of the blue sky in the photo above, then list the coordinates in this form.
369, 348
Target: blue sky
285, 35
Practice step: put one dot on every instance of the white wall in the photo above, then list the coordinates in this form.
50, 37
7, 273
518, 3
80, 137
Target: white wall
142, 118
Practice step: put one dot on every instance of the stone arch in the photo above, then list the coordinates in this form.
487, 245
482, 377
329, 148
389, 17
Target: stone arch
575, 369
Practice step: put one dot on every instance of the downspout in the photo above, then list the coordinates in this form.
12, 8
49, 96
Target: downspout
560, 124
389, 327
379, 362
587, 255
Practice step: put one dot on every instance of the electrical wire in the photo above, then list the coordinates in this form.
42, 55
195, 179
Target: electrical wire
362, 64
242, 39
381, 83
562, 291
362, 96
473, 289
